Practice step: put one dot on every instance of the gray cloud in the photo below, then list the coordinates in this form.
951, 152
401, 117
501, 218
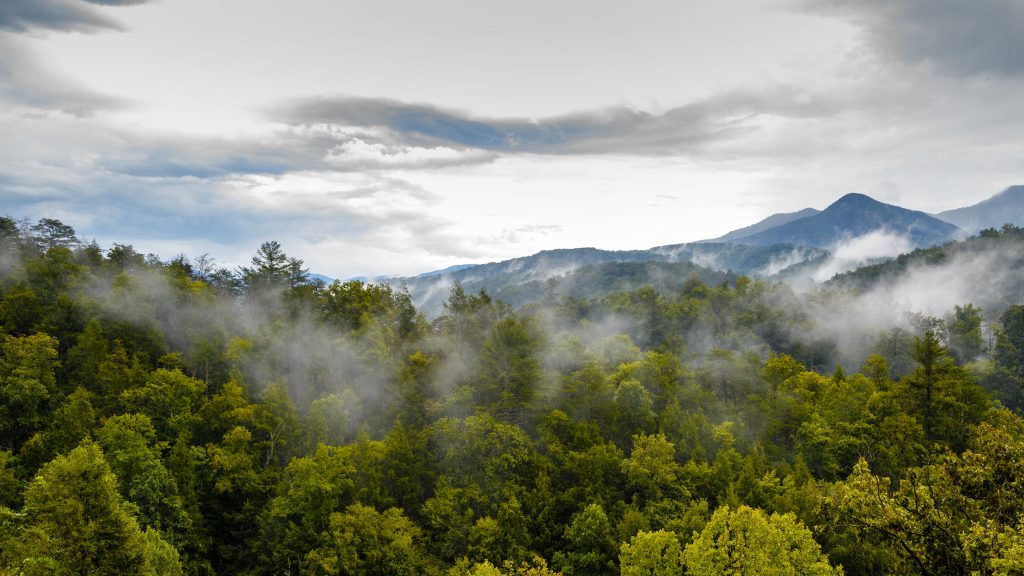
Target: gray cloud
60, 15
957, 37
24, 81
623, 130
194, 195
118, 2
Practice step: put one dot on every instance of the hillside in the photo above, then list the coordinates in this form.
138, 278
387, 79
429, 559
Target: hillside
519, 280
768, 223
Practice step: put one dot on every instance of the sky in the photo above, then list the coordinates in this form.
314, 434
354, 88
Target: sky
396, 137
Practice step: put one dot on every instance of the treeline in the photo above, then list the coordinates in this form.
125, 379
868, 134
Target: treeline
174, 417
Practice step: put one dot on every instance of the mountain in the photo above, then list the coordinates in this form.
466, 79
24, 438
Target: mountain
766, 224
1005, 207
854, 215
447, 270
523, 280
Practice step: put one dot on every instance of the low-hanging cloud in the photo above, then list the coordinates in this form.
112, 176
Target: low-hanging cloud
855, 252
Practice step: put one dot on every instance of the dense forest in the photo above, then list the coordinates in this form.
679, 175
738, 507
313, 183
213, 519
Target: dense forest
175, 417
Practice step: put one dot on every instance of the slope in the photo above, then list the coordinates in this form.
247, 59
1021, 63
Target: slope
768, 223
1005, 207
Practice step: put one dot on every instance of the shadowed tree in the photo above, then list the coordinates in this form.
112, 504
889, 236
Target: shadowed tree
77, 523
50, 233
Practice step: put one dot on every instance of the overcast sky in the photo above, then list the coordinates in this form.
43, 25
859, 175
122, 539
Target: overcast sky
396, 137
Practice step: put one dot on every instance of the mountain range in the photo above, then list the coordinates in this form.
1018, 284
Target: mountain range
849, 217
521, 280
780, 246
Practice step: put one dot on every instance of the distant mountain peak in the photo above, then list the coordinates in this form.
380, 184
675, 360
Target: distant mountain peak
855, 199
851, 216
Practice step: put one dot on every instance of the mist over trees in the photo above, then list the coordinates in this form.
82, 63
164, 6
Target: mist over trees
176, 417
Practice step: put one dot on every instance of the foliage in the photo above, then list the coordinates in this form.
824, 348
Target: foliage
176, 417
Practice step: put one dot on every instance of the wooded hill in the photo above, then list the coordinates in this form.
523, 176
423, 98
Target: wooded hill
173, 417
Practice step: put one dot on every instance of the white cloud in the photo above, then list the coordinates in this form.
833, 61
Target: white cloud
359, 154
862, 250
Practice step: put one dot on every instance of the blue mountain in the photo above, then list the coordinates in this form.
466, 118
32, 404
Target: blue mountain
766, 224
855, 215
1006, 207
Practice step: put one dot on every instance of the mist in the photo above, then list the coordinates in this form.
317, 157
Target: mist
856, 252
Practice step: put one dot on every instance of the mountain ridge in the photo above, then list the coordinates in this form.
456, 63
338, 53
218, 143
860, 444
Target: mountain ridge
768, 223
854, 215
1006, 207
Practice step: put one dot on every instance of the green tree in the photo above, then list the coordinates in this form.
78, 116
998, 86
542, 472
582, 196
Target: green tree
27, 385
960, 515
503, 538
651, 554
312, 488
589, 548
510, 371
273, 269
747, 542
77, 523
965, 340
130, 447
1009, 358
651, 470
364, 542
535, 567
70, 423
10, 486
334, 418
943, 396
170, 399
50, 233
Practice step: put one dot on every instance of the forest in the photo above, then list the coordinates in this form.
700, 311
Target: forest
177, 417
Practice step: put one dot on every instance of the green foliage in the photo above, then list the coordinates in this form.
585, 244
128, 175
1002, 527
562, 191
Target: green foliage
169, 398
272, 269
129, 445
76, 522
966, 342
748, 542
589, 547
509, 371
364, 542
157, 418
957, 516
27, 385
651, 554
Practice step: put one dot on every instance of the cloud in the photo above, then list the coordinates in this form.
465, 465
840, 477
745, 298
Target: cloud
359, 154
623, 130
118, 2
24, 81
864, 249
956, 37
58, 15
